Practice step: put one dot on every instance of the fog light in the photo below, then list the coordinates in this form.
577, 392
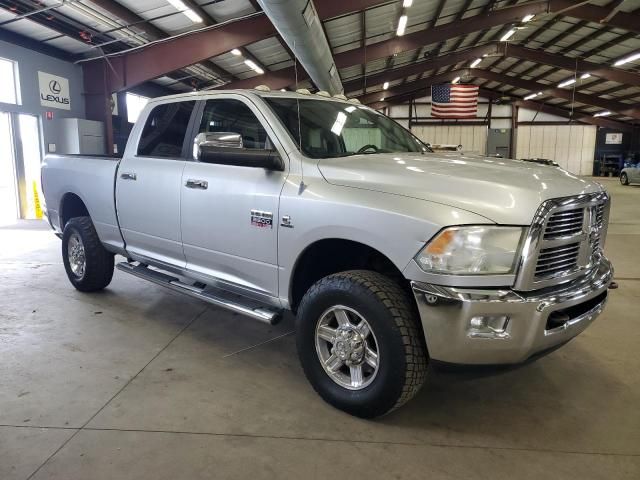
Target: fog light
478, 322
489, 326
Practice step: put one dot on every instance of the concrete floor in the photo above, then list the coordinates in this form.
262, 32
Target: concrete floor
139, 382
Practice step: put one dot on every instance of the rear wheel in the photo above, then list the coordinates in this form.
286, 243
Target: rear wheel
360, 344
88, 264
624, 180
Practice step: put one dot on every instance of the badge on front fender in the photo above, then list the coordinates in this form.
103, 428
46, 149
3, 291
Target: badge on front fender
261, 219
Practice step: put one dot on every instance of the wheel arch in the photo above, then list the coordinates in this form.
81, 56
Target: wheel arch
331, 255
71, 206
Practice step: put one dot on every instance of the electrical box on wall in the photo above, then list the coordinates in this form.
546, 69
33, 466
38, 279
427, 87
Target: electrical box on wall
77, 135
499, 141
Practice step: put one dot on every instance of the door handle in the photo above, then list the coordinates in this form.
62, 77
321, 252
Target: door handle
128, 176
201, 184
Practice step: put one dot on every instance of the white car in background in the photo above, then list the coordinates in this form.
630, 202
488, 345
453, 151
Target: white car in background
630, 174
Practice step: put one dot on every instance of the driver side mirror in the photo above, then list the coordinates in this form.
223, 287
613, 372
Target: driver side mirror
227, 148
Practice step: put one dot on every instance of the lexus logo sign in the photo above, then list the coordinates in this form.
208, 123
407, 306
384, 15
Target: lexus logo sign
54, 91
55, 87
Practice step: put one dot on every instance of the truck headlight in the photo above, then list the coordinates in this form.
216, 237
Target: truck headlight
472, 250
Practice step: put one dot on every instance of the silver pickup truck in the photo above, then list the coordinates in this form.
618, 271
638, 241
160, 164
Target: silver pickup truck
390, 255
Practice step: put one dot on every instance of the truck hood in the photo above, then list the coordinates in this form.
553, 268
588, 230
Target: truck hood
502, 190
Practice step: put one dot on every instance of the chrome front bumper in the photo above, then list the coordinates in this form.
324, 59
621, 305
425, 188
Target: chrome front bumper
508, 326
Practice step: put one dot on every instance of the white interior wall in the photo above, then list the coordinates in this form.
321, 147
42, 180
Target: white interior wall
473, 138
572, 146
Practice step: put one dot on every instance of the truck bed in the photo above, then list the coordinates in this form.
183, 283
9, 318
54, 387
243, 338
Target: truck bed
92, 179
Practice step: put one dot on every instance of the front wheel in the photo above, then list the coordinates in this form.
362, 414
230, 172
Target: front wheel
88, 264
624, 180
360, 344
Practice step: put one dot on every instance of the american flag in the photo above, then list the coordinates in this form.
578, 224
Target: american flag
454, 101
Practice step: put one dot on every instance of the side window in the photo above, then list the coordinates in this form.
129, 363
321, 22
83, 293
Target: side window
164, 130
235, 117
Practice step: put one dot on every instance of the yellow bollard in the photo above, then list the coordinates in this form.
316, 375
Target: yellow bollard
36, 201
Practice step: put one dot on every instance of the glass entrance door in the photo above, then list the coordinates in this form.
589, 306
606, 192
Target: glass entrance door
29, 160
8, 182
20, 159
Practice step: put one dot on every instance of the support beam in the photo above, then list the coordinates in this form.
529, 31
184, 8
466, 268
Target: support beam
130, 18
567, 94
621, 108
137, 66
421, 67
336, 8
31, 44
598, 70
593, 13
209, 21
412, 41
152, 61
609, 73
421, 85
438, 33
583, 118
133, 20
531, 105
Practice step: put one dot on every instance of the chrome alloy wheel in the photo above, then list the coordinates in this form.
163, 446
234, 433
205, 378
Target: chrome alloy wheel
347, 347
76, 254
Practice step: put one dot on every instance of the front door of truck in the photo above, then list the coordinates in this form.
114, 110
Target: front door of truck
148, 184
229, 213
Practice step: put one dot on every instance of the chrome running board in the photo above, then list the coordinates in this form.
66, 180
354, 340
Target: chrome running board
217, 297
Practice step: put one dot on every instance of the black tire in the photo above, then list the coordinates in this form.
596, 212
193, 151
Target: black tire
98, 270
400, 342
624, 180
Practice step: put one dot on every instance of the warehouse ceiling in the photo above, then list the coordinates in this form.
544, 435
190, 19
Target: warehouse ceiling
565, 40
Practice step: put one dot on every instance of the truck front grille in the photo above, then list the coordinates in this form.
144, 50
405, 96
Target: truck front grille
565, 239
563, 224
557, 259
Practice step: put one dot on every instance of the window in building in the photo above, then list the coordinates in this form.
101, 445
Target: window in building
135, 104
165, 129
10, 91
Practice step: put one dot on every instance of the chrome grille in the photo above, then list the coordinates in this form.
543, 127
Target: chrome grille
563, 224
557, 259
596, 243
565, 240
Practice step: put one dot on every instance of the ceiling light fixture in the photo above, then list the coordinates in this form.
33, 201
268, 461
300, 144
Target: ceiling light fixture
252, 65
585, 75
236, 52
533, 95
402, 24
566, 83
455, 80
508, 35
476, 62
182, 8
528, 18
385, 85
382, 99
630, 58
407, 3
602, 114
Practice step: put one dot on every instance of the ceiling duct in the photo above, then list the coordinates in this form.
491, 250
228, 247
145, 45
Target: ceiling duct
299, 25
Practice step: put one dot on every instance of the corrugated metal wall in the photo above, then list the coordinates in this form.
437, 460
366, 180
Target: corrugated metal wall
572, 146
472, 138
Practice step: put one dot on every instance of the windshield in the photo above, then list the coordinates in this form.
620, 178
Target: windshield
337, 129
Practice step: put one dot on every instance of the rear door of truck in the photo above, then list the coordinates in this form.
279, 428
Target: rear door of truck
148, 183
